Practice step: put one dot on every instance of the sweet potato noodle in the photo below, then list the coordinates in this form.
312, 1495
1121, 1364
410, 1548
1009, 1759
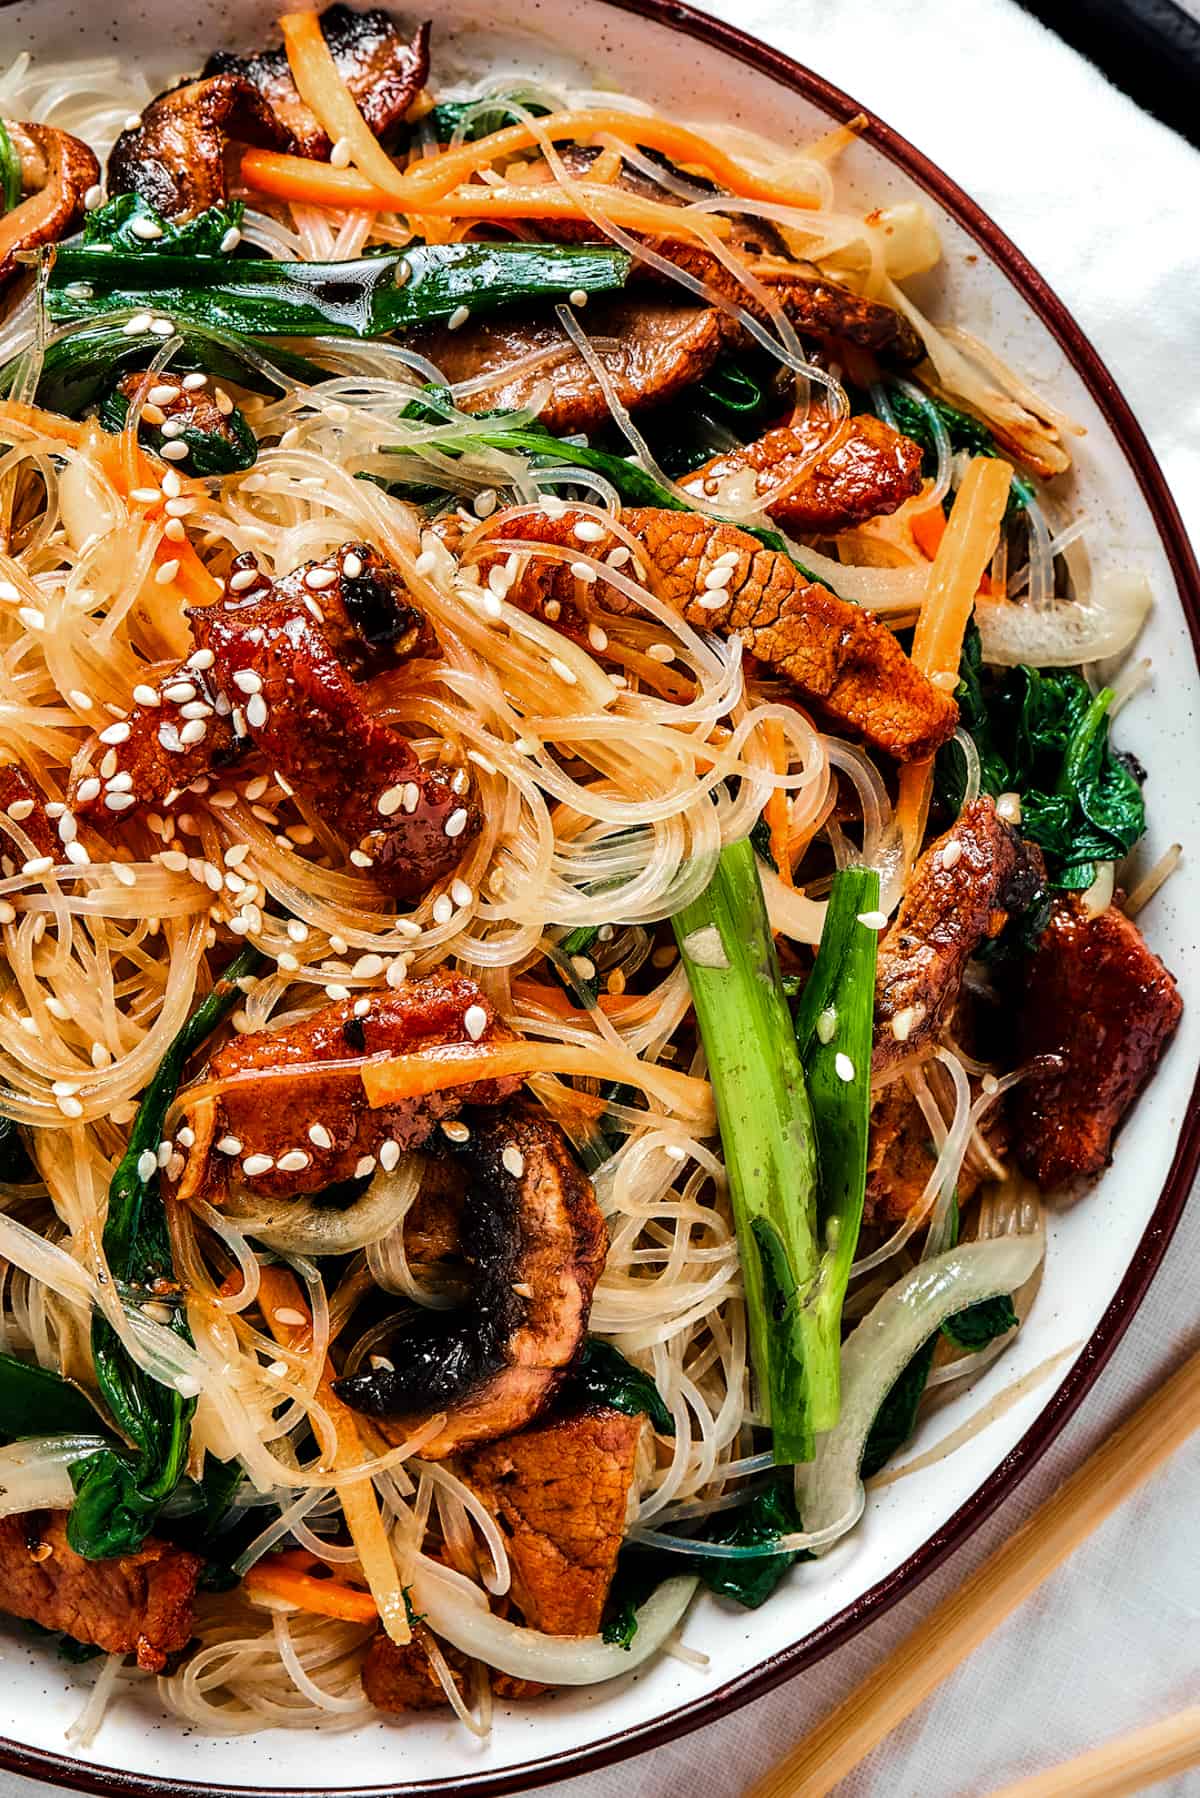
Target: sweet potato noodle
613, 741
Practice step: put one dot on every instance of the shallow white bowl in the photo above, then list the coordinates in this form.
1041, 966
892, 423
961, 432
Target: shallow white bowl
1101, 1254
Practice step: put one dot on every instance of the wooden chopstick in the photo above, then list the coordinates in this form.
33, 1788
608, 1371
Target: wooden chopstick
1127, 1764
964, 1619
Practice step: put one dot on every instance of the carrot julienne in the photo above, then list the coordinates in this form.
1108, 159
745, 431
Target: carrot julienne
273, 1578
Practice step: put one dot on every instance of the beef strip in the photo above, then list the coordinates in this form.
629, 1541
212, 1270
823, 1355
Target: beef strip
868, 472
21, 801
399, 1678
818, 306
1098, 1000
274, 668
651, 347
383, 71
132, 1604
536, 1241
901, 1155
837, 657
275, 1117
56, 172
178, 156
962, 890
561, 1493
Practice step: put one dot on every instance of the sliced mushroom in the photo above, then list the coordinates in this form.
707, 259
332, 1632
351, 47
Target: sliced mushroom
56, 172
651, 348
536, 1239
177, 157
383, 71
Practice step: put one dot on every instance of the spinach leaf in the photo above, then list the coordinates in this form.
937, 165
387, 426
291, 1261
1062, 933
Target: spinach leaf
1041, 733
120, 1491
603, 1376
980, 1324
447, 116
897, 1416
37, 1402
230, 447
965, 433
10, 172
121, 222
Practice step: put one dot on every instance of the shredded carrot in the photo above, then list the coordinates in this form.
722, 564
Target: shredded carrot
45, 424
928, 528
776, 809
963, 555
553, 998
279, 1291
270, 1578
317, 184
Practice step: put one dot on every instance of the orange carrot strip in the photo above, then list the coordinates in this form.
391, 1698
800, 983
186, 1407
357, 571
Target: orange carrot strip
326, 94
553, 998
928, 528
323, 1597
776, 809
966, 548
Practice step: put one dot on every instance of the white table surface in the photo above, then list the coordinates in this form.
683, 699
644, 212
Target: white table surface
1107, 204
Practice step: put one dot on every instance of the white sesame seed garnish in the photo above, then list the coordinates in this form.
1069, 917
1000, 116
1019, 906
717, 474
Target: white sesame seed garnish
191, 382
827, 1025
162, 327
19, 810
588, 530
514, 1161
458, 318
146, 228
339, 155
147, 1165
76, 853
78, 290
352, 565
256, 712
367, 967
115, 733
583, 571
245, 577
138, 325
174, 860
485, 503
42, 864
194, 731
83, 702
364, 1166
292, 1163
843, 1066
456, 823
453, 1131
661, 652
257, 1164
460, 892
230, 240
443, 909
165, 573
146, 695
950, 853
320, 578
319, 1136
874, 920
163, 395
247, 681
93, 199
475, 1021
597, 638
175, 452
172, 486
390, 800
195, 708
229, 1145
336, 991
1008, 807
70, 1107
68, 830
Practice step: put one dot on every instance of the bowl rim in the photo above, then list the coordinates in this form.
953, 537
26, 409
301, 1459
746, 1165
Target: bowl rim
111, 1782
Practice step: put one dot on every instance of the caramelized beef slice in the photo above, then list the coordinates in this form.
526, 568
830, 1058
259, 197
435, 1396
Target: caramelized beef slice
1097, 999
177, 158
21, 801
818, 306
868, 471
383, 71
56, 173
560, 1492
836, 656
133, 1604
652, 348
901, 1155
433, 1222
962, 890
275, 1116
536, 1240
399, 1678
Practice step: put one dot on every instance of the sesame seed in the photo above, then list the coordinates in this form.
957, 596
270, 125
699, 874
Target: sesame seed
577, 297
950, 853
458, 318
229, 1145
78, 290
67, 827
336, 991
138, 325
583, 571
1008, 807
453, 1131
162, 327
320, 578
146, 228
485, 503
165, 573
191, 382
8, 591
174, 860
352, 565
175, 452
32, 618
172, 486
292, 1163
460, 892
147, 1165
390, 801
108, 766
247, 681
82, 701
389, 1155
256, 711
257, 1164
718, 577
874, 920
277, 1370
475, 1021
513, 1160
319, 1136
195, 708
245, 577
42, 864
843, 1066
94, 197
339, 156
367, 967
146, 695
77, 855
456, 823
364, 1166
443, 909
116, 733
70, 1107
19, 810
588, 530
597, 638
230, 240
990, 1085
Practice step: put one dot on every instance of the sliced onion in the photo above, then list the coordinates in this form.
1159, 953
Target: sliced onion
879, 589
1067, 632
529, 1653
35, 1473
299, 1226
881, 1347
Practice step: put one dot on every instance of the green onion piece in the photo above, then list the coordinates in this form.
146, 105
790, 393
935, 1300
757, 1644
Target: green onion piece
767, 1132
365, 298
834, 1025
10, 172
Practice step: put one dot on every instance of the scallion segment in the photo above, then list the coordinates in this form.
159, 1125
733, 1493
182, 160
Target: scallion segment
767, 1133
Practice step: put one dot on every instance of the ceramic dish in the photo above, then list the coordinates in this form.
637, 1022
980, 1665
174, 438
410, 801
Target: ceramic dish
1102, 1253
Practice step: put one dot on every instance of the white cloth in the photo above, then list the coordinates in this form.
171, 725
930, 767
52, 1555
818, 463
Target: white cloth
1104, 201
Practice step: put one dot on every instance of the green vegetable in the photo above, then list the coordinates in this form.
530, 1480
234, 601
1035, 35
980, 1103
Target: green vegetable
36, 1402
365, 298
1044, 735
112, 225
767, 1133
980, 1324
10, 172
446, 117
965, 433
230, 448
834, 1026
119, 1492
602, 1376
897, 1416
82, 365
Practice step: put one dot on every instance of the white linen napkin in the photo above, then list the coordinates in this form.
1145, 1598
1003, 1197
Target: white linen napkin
1105, 202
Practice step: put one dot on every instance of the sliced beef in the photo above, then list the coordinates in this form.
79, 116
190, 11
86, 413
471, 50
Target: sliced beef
535, 1239
21, 801
962, 890
178, 156
433, 1222
276, 672
1099, 1000
277, 1116
650, 346
399, 1678
56, 173
133, 1604
868, 471
837, 657
901, 1155
819, 307
384, 72
561, 1493
203, 412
